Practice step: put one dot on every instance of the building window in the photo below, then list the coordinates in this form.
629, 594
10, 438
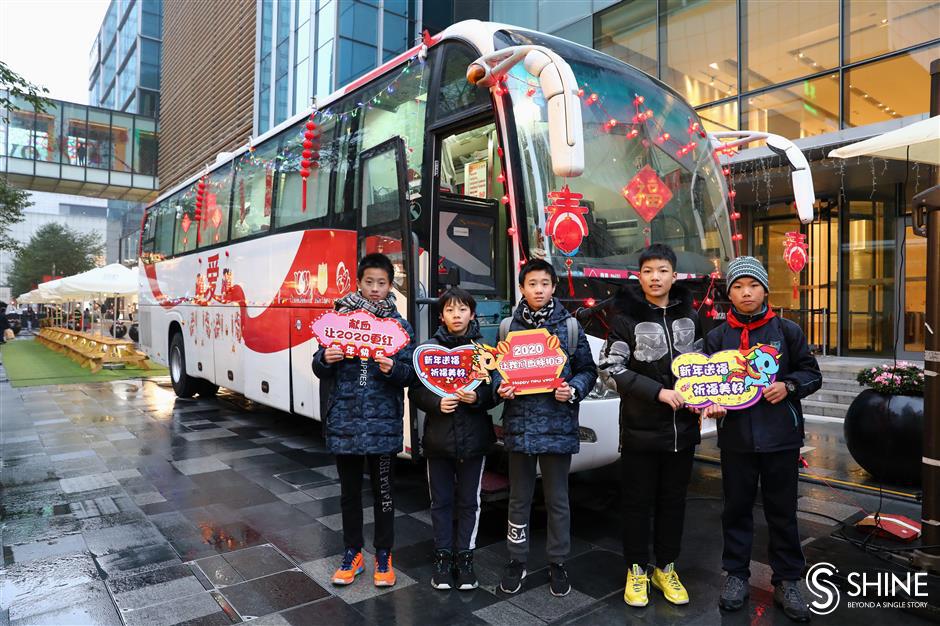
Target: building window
889, 89
878, 26
628, 32
781, 41
720, 117
804, 109
700, 58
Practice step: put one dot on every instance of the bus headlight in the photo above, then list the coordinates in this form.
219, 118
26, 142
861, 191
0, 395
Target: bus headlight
586, 435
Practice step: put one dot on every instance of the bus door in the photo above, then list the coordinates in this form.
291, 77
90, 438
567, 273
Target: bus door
385, 226
468, 233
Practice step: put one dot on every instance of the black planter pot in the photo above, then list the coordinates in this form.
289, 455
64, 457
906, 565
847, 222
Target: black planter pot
884, 435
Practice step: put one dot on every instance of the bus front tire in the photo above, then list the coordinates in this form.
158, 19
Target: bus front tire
184, 385
207, 389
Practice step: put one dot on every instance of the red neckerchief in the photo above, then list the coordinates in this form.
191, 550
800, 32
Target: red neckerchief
749, 326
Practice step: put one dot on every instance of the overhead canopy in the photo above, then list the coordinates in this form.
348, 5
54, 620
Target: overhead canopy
110, 280
919, 142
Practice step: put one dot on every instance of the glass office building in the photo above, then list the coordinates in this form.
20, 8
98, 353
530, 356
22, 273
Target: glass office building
826, 72
309, 47
124, 60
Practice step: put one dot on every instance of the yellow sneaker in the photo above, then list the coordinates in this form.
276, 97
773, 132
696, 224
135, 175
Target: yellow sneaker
636, 591
667, 581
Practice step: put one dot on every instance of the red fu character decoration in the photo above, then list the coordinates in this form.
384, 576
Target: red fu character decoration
795, 255
566, 225
308, 160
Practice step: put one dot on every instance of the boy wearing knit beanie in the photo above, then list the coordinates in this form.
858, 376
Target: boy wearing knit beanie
761, 444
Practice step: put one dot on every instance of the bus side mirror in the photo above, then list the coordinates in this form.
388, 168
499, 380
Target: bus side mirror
558, 84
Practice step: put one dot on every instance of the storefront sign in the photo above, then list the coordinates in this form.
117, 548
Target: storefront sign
446, 371
474, 179
727, 378
360, 334
531, 361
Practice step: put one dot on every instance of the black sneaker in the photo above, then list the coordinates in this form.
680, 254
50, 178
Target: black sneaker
787, 596
463, 571
734, 593
443, 576
512, 576
559, 579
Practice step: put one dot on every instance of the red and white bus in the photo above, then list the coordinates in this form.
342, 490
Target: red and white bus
443, 159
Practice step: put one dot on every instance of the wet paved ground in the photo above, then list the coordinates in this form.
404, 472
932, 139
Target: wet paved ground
124, 505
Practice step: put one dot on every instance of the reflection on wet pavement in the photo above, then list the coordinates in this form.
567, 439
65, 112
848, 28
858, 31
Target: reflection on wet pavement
122, 504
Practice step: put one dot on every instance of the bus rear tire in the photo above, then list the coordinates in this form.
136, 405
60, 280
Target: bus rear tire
184, 385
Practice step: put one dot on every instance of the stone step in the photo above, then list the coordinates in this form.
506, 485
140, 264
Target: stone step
835, 396
826, 409
841, 384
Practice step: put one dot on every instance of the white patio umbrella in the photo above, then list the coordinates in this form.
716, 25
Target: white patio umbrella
113, 281
919, 142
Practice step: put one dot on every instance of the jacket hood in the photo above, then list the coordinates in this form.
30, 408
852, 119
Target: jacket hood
444, 338
631, 301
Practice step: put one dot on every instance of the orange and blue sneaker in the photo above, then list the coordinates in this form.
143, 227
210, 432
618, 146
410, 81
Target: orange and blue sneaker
384, 575
352, 566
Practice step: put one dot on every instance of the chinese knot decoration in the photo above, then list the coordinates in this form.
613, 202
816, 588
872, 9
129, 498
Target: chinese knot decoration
566, 225
795, 256
200, 203
647, 193
307, 161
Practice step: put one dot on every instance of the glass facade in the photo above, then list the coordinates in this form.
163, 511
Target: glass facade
125, 58
802, 70
308, 48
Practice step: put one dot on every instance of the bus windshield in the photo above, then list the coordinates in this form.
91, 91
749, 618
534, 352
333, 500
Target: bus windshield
650, 174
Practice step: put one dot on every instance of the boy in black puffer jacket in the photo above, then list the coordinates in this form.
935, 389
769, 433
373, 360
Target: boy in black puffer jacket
543, 428
761, 444
458, 433
653, 323
363, 423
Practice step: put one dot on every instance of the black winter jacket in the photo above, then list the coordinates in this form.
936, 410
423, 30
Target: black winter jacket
642, 342
365, 407
538, 423
468, 431
766, 427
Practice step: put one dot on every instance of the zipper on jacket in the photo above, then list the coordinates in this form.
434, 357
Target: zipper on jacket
675, 429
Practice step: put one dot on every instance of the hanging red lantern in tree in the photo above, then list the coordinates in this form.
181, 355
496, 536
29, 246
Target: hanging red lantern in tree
566, 225
795, 255
307, 161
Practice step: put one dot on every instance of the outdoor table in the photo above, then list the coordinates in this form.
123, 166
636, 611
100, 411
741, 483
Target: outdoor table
91, 350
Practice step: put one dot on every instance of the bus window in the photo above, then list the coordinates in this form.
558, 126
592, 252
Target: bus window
148, 234
468, 209
254, 190
455, 94
187, 229
166, 223
289, 183
218, 204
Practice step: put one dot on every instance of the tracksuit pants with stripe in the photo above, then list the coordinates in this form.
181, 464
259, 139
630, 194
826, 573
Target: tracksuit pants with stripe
455, 484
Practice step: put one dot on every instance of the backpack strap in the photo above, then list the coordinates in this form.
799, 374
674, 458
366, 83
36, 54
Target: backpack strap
504, 328
573, 328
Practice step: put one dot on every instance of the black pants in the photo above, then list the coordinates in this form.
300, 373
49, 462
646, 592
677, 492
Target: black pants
382, 472
654, 483
455, 481
522, 476
778, 475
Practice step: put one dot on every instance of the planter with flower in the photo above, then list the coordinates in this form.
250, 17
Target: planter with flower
884, 425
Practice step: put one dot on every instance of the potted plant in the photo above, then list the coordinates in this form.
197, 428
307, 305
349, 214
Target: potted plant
884, 425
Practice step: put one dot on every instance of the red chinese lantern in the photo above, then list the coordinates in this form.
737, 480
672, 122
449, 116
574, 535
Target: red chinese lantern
566, 225
796, 256
308, 159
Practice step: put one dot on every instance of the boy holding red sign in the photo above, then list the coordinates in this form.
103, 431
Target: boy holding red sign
653, 323
363, 424
542, 428
458, 433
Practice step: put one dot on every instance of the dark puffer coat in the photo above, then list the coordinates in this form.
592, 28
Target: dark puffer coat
766, 427
468, 431
538, 423
642, 342
365, 407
